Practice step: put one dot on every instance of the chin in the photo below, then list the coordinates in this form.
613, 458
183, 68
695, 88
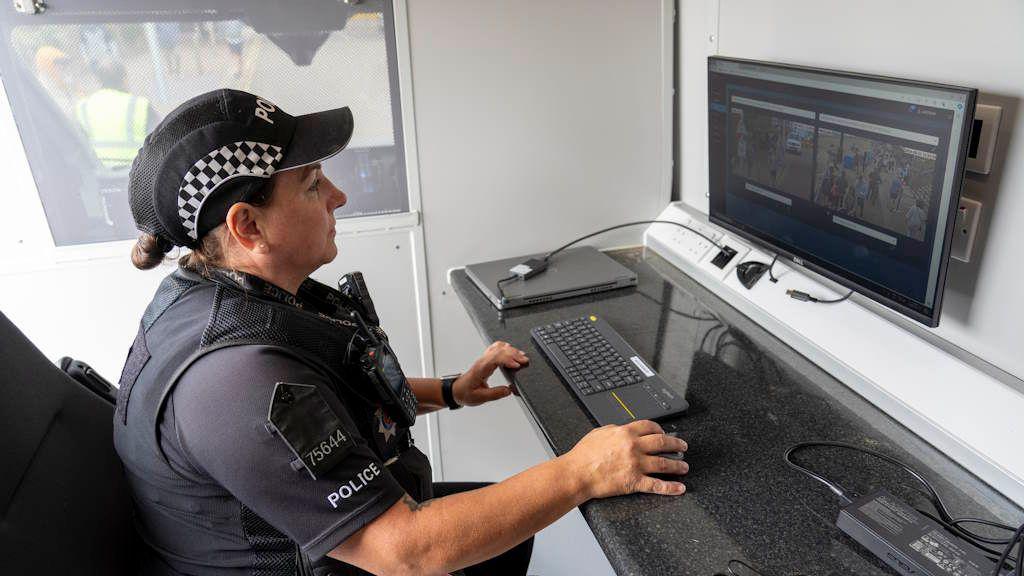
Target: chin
331, 254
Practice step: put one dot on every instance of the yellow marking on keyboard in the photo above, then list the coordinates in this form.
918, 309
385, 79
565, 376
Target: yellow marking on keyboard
621, 403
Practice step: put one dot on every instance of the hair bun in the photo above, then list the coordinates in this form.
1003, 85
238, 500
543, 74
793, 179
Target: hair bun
149, 251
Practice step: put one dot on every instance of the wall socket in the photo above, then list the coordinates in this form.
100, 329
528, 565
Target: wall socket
968, 215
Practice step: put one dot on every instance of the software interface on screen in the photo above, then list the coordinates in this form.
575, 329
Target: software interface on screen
856, 173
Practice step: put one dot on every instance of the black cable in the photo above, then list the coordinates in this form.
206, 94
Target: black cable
933, 496
678, 312
759, 359
805, 297
1019, 569
797, 294
501, 289
959, 521
836, 301
704, 340
591, 235
745, 565
992, 554
718, 341
844, 496
1020, 550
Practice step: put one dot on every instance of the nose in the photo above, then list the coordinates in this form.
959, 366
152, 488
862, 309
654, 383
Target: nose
336, 197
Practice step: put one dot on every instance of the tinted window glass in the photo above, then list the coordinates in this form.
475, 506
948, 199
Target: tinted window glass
86, 89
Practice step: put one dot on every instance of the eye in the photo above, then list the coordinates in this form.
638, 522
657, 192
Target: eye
315, 186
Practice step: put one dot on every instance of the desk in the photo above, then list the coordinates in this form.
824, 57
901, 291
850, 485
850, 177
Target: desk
750, 398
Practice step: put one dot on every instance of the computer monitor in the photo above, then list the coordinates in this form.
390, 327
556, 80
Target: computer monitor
853, 176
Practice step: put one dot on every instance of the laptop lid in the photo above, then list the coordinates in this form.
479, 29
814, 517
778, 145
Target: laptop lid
572, 272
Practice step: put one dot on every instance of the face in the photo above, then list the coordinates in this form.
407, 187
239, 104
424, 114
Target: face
299, 223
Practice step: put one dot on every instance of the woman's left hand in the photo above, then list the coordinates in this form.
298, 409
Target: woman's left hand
471, 388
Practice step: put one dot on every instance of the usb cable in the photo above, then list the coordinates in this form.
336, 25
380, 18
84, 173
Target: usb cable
805, 297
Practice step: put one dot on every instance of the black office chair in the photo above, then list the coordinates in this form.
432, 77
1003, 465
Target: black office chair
65, 507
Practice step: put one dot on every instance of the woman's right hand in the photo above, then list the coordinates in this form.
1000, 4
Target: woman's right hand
615, 460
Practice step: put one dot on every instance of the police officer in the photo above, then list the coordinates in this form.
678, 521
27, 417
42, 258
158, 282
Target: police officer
262, 418
115, 120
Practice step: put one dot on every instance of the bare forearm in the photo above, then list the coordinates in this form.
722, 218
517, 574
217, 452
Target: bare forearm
471, 527
446, 534
428, 394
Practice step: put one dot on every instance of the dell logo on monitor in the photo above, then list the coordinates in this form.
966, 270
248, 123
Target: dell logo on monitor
798, 261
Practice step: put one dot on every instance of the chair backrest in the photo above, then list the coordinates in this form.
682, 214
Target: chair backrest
65, 507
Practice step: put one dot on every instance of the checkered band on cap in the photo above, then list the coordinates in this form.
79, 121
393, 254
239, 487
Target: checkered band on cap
237, 159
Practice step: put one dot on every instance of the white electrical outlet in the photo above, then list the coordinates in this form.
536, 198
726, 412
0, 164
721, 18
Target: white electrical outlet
679, 245
689, 245
968, 215
693, 245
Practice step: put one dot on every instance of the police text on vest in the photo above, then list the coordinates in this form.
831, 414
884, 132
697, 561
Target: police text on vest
355, 485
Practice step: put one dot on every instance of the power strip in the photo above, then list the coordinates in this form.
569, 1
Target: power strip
682, 247
684, 242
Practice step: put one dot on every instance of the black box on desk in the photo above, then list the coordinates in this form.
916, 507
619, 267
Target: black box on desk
908, 541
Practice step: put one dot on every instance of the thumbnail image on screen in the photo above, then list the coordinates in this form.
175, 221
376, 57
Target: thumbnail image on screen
855, 175
772, 151
885, 185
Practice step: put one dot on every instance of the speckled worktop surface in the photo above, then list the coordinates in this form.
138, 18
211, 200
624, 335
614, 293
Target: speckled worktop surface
751, 397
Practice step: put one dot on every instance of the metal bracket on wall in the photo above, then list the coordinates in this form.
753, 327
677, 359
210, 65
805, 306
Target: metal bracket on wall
711, 27
30, 6
711, 49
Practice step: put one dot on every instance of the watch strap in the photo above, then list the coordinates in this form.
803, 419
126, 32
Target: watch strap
446, 391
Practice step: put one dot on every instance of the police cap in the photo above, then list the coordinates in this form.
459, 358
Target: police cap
219, 148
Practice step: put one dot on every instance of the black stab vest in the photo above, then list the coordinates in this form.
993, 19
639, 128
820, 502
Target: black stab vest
192, 315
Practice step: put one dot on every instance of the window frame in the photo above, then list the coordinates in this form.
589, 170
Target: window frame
30, 244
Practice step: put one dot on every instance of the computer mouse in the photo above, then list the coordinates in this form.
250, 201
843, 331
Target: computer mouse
673, 455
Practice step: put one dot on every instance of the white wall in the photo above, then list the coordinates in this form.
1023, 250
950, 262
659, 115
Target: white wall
537, 122
947, 41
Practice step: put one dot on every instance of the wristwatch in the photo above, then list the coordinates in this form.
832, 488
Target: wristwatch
446, 391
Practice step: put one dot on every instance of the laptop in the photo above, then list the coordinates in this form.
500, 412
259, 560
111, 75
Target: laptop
573, 272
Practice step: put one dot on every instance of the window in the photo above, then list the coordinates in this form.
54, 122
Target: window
85, 88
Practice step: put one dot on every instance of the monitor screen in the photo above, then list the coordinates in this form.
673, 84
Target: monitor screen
855, 177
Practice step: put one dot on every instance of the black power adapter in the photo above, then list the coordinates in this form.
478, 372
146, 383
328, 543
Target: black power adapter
908, 541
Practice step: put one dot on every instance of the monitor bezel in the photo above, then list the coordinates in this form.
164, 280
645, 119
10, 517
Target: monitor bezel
834, 273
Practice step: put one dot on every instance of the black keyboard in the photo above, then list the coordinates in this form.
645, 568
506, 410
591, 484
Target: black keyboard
594, 364
614, 383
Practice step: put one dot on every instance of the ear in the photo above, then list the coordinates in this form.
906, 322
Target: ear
244, 226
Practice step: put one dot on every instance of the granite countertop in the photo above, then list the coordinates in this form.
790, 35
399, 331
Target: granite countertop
751, 397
